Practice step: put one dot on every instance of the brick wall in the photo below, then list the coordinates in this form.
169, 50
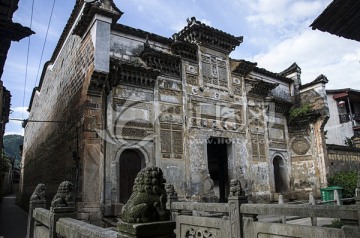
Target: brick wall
343, 159
49, 146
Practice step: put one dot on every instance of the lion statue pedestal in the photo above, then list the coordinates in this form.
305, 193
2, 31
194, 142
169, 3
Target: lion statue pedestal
145, 214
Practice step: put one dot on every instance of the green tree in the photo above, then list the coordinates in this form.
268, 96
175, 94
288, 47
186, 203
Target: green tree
4, 166
346, 180
11, 147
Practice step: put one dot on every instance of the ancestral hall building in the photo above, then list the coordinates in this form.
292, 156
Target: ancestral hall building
114, 99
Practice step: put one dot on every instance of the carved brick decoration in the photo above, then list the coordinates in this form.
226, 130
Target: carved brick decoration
237, 90
219, 116
165, 63
278, 145
171, 140
200, 232
214, 70
277, 132
133, 73
259, 87
300, 146
258, 147
169, 87
191, 79
185, 49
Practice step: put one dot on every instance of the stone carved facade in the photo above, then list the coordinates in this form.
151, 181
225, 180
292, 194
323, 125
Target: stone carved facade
140, 100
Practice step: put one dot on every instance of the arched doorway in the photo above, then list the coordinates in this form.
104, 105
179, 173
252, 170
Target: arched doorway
279, 174
131, 162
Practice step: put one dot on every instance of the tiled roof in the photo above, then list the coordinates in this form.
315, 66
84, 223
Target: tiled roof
293, 68
340, 18
209, 36
272, 74
320, 79
142, 34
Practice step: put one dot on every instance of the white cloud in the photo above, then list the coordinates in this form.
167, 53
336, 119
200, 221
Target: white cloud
282, 13
19, 109
14, 132
316, 53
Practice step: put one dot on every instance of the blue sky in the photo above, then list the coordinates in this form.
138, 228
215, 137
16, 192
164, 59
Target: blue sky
276, 34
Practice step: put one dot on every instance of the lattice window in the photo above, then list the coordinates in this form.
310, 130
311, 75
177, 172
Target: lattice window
258, 147
171, 140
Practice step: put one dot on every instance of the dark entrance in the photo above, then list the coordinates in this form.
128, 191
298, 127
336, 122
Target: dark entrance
218, 166
130, 165
279, 174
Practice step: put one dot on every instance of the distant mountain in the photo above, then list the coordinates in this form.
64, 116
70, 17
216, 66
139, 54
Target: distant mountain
11, 146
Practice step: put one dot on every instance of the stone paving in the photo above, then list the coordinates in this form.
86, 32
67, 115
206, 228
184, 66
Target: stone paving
13, 220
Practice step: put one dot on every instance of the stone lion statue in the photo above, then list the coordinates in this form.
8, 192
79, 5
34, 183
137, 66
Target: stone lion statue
39, 193
235, 188
64, 196
147, 203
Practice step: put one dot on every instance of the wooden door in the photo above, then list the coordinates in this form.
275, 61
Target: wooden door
130, 166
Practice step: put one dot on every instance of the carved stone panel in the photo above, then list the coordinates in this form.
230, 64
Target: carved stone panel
300, 146
211, 115
277, 132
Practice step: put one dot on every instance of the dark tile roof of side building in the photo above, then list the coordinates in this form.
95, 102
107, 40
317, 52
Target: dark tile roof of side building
340, 18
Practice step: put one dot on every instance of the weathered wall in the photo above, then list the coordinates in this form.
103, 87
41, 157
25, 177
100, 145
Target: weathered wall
309, 158
343, 159
57, 107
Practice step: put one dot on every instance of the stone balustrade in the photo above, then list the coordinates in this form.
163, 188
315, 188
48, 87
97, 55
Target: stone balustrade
69, 227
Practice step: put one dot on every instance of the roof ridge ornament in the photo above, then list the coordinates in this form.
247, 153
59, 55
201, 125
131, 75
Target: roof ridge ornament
200, 33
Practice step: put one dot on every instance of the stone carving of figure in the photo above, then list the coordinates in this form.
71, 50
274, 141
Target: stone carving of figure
39, 193
170, 190
235, 188
64, 196
147, 203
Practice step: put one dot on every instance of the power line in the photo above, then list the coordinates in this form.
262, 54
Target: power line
42, 52
27, 59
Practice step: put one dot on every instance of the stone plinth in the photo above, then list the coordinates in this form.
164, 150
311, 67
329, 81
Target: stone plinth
56, 214
164, 229
30, 225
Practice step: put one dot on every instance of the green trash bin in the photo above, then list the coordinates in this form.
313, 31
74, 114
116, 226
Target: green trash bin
327, 194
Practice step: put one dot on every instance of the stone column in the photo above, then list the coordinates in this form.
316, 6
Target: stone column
235, 199
56, 214
37, 200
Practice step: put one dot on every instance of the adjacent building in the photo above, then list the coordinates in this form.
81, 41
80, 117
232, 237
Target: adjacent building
9, 31
344, 121
114, 99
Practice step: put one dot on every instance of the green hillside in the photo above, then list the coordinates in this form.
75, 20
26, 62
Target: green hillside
11, 146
